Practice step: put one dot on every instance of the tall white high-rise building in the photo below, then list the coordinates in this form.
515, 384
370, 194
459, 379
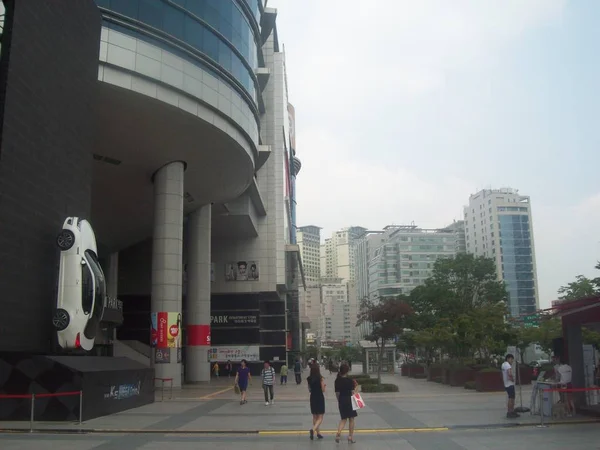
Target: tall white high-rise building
338, 314
308, 239
498, 225
337, 254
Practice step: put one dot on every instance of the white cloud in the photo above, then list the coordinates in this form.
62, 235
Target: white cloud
374, 84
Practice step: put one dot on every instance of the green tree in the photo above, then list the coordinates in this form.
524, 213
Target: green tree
582, 287
550, 328
387, 319
351, 354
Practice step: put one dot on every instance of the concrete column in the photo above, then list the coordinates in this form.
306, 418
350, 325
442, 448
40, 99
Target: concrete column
167, 263
198, 295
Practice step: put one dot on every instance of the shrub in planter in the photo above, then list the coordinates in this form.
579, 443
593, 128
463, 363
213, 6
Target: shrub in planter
460, 375
366, 381
525, 374
446, 375
437, 380
489, 380
383, 387
415, 369
470, 385
404, 370
434, 372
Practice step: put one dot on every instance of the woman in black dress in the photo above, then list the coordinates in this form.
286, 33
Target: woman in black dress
316, 386
344, 388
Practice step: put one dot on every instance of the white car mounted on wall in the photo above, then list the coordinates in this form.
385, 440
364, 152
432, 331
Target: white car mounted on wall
81, 286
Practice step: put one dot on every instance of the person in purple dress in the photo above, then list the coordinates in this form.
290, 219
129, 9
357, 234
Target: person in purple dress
242, 377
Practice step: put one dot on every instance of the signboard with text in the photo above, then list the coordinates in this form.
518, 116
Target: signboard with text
234, 353
223, 319
165, 330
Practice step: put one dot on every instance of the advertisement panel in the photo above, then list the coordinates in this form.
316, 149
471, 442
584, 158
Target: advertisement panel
223, 319
234, 353
242, 271
165, 329
198, 335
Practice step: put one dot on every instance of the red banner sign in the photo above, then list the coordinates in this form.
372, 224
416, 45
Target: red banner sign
198, 335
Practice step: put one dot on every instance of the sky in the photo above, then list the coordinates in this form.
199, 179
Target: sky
404, 108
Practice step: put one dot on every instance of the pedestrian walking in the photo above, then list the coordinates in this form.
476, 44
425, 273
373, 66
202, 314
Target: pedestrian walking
298, 371
242, 378
268, 377
284, 374
216, 370
344, 389
229, 368
509, 385
316, 387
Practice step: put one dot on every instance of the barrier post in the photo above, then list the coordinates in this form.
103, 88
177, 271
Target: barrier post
162, 389
171, 394
32, 413
542, 408
80, 407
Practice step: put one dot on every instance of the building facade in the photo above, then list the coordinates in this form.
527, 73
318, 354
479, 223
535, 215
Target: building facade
498, 225
337, 254
338, 314
400, 258
177, 110
308, 239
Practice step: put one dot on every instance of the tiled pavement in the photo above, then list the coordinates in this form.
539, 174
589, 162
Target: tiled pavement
388, 421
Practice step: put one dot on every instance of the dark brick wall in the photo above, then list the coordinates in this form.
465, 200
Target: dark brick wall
48, 82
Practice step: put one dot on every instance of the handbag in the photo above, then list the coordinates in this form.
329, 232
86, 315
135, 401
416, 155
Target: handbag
357, 402
236, 388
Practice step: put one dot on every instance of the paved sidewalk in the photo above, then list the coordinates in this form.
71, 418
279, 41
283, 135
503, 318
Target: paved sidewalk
215, 408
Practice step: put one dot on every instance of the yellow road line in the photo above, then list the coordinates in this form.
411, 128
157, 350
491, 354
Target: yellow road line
215, 393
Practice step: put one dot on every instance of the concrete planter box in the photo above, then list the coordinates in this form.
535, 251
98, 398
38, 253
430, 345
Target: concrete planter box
489, 381
446, 375
525, 374
404, 370
414, 370
460, 375
434, 372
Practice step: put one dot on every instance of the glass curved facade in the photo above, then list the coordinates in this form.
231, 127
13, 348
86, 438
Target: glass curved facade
218, 29
517, 262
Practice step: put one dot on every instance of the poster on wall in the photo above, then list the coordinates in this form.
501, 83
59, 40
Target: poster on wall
165, 329
234, 353
242, 271
162, 355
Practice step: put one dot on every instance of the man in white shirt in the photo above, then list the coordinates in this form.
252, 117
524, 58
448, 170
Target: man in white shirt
565, 375
509, 385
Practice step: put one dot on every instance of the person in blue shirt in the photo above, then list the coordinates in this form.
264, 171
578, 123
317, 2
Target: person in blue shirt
242, 377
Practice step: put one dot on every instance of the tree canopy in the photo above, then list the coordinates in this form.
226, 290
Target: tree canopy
582, 287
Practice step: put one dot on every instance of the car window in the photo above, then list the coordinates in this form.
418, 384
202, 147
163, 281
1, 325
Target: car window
87, 289
100, 291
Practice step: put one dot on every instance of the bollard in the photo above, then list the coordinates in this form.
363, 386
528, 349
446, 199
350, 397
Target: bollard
32, 413
80, 407
163, 390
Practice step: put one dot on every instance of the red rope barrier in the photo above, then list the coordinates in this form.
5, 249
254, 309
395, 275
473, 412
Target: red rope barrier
164, 379
15, 396
57, 394
571, 389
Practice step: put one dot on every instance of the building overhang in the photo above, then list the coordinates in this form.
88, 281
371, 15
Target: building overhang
256, 198
267, 23
578, 312
264, 151
263, 74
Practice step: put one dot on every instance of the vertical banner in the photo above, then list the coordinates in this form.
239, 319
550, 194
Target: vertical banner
289, 341
198, 335
174, 330
165, 330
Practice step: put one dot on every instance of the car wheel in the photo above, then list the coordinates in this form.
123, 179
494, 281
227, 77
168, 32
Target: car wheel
61, 320
65, 240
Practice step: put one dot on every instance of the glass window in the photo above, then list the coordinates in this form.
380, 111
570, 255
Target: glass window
128, 8
87, 289
100, 288
173, 22
211, 44
103, 3
196, 7
194, 33
151, 12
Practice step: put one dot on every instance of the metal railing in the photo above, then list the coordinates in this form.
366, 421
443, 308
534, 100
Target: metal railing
33, 397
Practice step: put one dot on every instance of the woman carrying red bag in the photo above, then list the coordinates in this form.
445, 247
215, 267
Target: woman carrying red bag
344, 389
